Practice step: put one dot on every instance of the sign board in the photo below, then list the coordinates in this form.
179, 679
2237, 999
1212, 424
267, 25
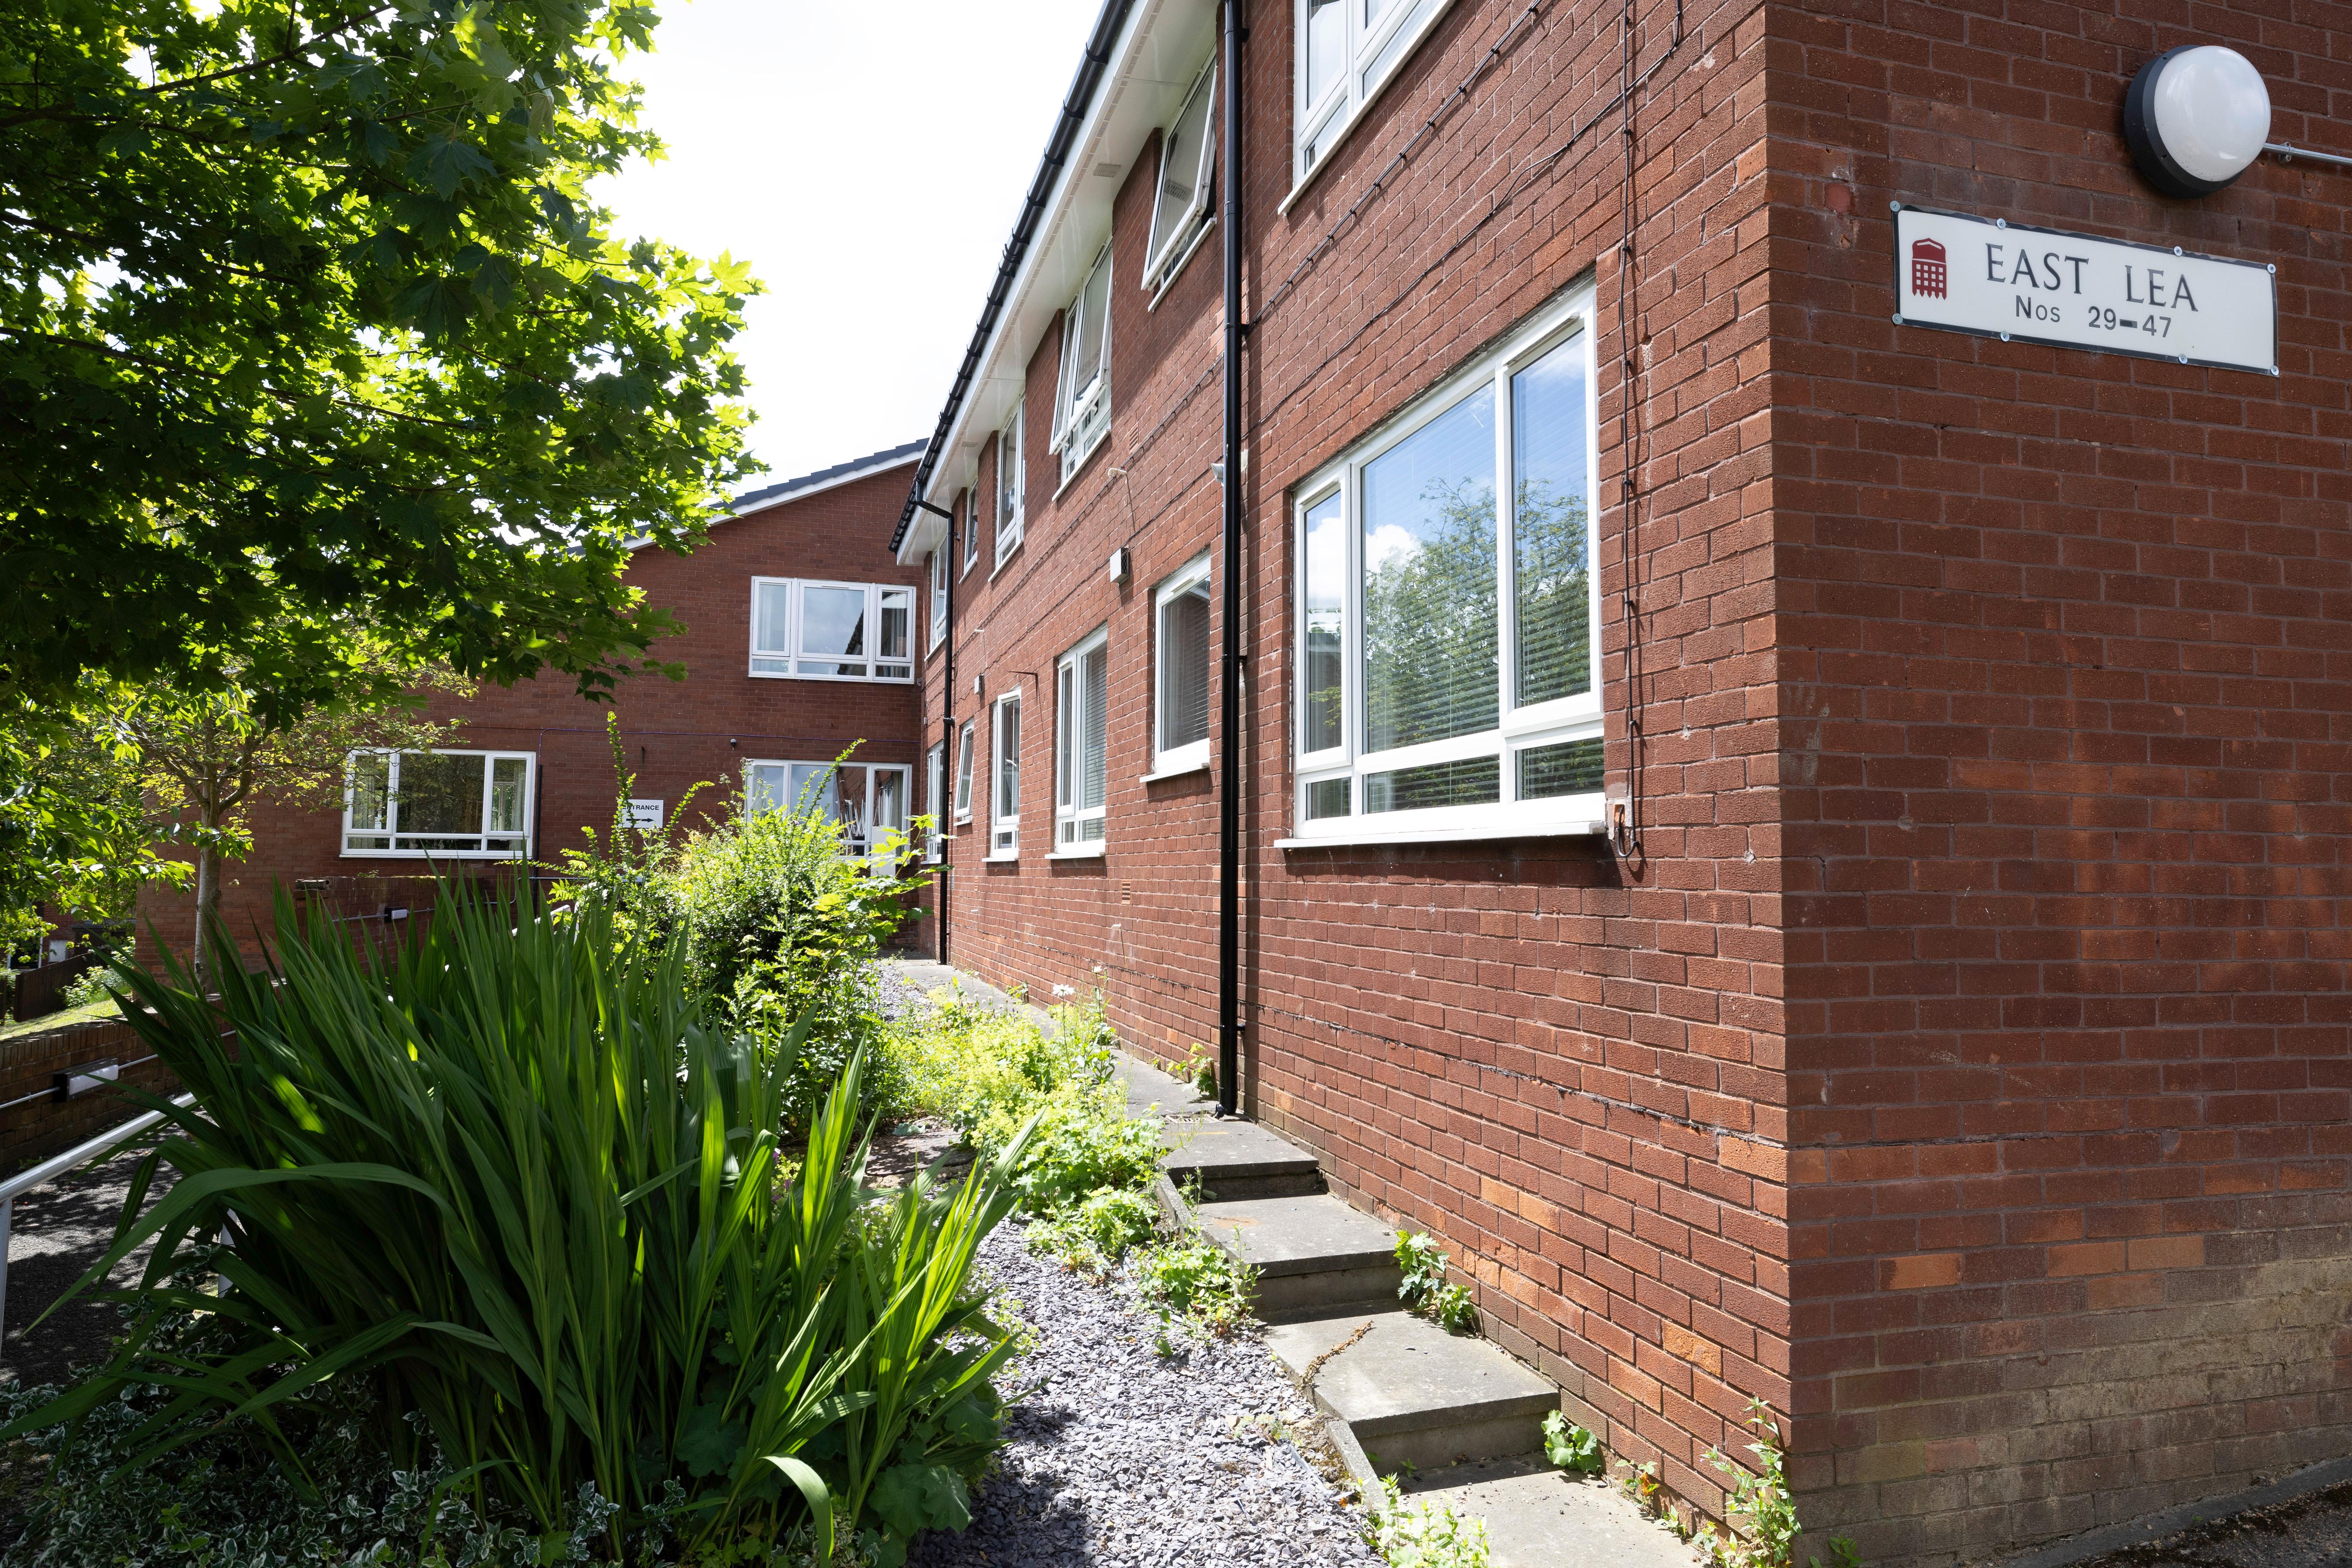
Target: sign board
646, 815
2010, 280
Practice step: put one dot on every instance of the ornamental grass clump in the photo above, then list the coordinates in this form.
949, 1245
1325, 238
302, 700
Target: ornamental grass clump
515, 1181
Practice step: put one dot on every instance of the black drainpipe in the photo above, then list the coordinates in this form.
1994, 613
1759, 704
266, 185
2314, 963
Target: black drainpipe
1229, 783
946, 803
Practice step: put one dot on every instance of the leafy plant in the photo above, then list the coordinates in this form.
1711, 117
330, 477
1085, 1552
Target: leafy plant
1194, 1276
1573, 1448
1431, 1534
1094, 1235
1761, 1502
1200, 1070
512, 1178
1424, 1290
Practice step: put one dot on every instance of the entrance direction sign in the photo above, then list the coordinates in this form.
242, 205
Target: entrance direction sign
2010, 280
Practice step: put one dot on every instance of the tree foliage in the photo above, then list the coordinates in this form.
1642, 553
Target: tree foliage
73, 828
304, 308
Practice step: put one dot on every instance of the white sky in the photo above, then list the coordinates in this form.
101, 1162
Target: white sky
869, 160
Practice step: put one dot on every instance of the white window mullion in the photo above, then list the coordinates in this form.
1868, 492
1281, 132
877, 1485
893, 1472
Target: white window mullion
1507, 522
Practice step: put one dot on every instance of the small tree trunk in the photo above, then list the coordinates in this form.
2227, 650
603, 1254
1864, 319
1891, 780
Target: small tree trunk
207, 906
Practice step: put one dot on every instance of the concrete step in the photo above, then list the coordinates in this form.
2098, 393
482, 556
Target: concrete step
1151, 1092
1233, 1160
1314, 1256
1411, 1395
1538, 1517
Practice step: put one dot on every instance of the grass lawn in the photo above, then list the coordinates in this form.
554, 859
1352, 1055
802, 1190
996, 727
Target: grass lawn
89, 1012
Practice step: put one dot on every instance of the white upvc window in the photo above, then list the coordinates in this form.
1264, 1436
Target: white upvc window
1346, 49
461, 805
1081, 772
1082, 399
1448, 665
938, 570
964, 772
1179, 207
1004, 779
1012, 486
1179, 674
970, 510
868, 800
935, 801
832, 631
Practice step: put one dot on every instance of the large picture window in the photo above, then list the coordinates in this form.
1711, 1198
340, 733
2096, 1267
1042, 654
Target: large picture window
1179, 207
1447, 668
1004, 779
868, 800
455, 803
1179, 727
832, 631
1347, 48
1082, 402
1010, 482
1081, 697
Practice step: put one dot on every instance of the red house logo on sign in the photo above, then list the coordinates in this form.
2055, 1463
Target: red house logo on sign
1927, 268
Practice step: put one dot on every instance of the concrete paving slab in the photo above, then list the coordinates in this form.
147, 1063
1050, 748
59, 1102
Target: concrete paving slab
1233, 1160
1298, 1236
1151, 1090
1538, 1517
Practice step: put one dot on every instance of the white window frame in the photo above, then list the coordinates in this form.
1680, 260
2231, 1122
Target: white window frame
1004, 827
971, 534
1573, 718
854, 847
1325, 122
395, 850
878, 598
1192, 754
1174, 243
1012, 486
965, 737
935, 800
939, 580
1071, 819
1082, 414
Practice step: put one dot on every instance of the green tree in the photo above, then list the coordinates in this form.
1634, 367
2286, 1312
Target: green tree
74, 833
305, 314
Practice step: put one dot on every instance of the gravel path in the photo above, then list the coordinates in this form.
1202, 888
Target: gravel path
1125, 1459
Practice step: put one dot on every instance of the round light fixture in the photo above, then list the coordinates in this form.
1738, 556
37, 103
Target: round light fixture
2195, 118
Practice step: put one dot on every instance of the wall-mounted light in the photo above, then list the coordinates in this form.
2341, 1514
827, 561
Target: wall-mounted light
2196, 118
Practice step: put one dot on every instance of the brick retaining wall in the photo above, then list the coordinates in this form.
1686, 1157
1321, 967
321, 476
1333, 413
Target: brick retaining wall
35, 1130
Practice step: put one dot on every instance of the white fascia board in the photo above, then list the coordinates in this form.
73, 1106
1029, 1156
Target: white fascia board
925, 534
1158, 57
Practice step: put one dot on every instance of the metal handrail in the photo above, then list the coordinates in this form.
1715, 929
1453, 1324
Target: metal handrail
56, 1165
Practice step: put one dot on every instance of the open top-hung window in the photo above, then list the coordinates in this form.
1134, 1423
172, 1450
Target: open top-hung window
1082, 400
940, 592
1009, 486
1346, 49
1179, 685
1081, 775
1448, 677
1004, 779
456, 803
1179, 209
832, 631
868, 800
964, 772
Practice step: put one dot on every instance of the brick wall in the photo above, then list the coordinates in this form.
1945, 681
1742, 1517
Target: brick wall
2063, 648
674, 735
32, 1132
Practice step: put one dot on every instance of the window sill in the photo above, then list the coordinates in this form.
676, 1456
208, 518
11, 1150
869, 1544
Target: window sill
1008, 557
1177, 771
1078, 470
1364, 833
1091, 852
1363, 111
1169, 275
1002, 857
839, 679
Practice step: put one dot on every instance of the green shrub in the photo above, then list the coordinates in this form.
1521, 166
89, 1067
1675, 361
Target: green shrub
1198, 1279
781, 925
1573, 1448
1431, 1534
1424, 1290
514, 1182
1096, 1234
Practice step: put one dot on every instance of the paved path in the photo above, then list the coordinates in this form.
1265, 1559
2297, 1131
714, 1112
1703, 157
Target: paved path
57, 1232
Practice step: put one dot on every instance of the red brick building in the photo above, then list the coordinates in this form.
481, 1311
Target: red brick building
800, 639
1808, 846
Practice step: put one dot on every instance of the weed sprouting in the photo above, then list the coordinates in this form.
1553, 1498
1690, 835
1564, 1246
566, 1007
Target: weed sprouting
1424, 1290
